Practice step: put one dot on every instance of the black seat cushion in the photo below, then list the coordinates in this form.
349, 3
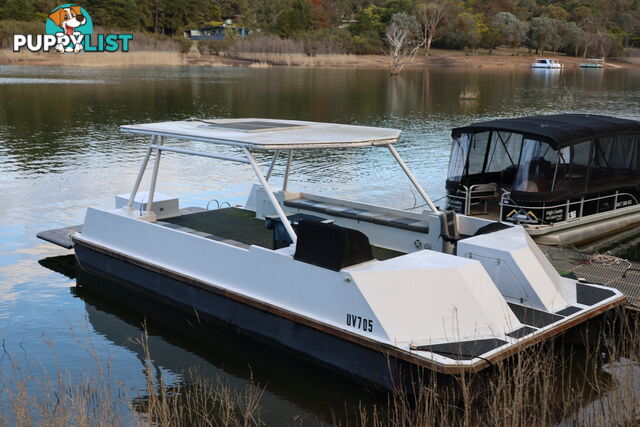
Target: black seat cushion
331, 246
327, 208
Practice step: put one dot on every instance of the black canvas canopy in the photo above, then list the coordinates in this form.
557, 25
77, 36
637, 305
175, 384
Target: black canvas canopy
559, 130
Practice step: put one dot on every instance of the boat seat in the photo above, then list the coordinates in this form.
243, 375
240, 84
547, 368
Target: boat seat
203, 234
380, 218
331, 246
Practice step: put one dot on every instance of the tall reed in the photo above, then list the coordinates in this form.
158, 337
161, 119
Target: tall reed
549, 384
60, 400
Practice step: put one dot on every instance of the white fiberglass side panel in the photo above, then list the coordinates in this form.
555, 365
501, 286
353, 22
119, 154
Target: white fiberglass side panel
272, 277
469, 225
428, 297
519, 269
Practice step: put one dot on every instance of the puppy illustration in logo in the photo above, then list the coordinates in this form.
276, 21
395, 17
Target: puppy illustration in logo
69, 19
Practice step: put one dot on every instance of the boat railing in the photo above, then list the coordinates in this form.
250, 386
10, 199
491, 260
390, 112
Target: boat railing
477, 192
571, 210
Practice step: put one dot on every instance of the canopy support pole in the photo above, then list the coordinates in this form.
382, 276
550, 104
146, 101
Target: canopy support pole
413, 180
143, 167
273, 163
201, 154
286, 171
272, 197
154, 177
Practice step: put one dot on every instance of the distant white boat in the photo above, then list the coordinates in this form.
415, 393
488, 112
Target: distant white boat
546, 63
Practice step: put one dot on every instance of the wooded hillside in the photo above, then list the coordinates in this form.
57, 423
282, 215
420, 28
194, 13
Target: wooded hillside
575, 27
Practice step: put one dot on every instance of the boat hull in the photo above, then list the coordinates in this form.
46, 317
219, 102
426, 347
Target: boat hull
374, 368
584, 230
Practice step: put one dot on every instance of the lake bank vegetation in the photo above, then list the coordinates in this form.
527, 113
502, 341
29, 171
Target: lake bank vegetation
551, 383
579, 28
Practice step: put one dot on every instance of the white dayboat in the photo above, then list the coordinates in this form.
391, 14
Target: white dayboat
370, 291
547, 63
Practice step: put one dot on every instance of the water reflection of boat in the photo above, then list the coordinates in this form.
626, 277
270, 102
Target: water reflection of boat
444, 291
566, 178
190, 346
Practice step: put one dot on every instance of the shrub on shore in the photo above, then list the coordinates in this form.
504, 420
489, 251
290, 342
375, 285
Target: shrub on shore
267, 44
9, 27
214, 47
184, 44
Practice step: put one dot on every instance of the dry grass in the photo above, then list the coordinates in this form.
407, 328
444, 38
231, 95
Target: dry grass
123, 59
99, 400
300, 59
105, 59
545, 385
549, 384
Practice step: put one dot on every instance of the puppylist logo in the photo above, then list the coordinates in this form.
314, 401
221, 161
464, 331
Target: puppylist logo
69, 29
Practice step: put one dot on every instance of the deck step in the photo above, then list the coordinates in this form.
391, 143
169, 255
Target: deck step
60, 236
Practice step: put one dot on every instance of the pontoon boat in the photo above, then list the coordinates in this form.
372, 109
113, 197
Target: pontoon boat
566, 178
370, 291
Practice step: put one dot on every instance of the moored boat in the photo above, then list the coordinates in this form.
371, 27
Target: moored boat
547, 63
567, 178
593, 63
370, 291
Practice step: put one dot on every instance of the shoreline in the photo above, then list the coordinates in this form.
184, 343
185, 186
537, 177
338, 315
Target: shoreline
501, 59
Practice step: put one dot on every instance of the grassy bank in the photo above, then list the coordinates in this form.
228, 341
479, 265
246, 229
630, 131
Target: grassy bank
117, 59
544, 385
439, 58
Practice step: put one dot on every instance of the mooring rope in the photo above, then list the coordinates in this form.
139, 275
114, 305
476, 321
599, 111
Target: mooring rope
596, 258
608, 259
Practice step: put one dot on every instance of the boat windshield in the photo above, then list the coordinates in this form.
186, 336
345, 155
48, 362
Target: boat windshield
538, 168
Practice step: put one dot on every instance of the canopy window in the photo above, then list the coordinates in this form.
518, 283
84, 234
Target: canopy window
504, 151
458, 157
537, 171
477, 153
495, 153
614, 159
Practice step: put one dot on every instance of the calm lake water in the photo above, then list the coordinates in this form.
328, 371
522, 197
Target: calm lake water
61, 150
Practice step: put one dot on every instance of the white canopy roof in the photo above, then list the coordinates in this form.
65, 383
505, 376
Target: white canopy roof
269, 134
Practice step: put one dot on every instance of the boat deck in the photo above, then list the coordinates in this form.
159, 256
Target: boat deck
232, 224
241, 228
615, 273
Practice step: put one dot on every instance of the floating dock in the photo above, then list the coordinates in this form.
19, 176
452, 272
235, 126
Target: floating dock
601, 269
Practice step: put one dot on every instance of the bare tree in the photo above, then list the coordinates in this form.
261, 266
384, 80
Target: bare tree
430, 15
403, 40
